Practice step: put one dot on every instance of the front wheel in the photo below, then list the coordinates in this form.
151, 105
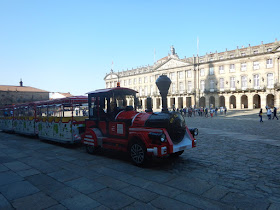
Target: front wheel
138, 153
91, 149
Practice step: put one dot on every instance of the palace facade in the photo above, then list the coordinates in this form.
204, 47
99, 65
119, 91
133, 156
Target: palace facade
244, 78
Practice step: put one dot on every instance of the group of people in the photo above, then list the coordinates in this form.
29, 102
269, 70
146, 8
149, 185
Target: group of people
269, 112
202, 112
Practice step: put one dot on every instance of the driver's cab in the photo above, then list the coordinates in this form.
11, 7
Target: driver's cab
111, 110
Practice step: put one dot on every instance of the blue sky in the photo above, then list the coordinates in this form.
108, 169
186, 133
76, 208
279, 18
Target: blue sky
69, 46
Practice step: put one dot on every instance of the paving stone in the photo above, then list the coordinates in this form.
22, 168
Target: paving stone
63, 193
169, 203
200, 202
245, 202
16, 190
40, 179
85, 185
274, 206
3, 168
139, 193
57, 207
216, 193
8, 177
140, 206
112, 198
4, 204
80, 202
28, 172
111, 182
193, 185
64, 175
34, 202
162, 189
6, 159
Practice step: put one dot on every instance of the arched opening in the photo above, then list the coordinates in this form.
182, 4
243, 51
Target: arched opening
145, 104
180, 102
188, 101
244, 102
222, 101
232, 102
202, 102
172, 103
212, 102
270, 100
158, 103
257, 101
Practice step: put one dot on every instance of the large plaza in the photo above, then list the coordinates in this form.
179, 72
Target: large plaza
236, 165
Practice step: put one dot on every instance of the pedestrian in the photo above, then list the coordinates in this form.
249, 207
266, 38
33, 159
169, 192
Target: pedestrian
275, 113
211, 112
260, 115
216, 111
206, 112
225, 110
269, 113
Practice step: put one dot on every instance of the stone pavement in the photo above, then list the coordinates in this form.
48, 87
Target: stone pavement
236, 165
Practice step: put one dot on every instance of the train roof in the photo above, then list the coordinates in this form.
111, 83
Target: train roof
116, 90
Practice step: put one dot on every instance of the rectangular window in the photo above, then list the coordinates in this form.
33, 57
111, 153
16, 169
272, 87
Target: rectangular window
211, 70
134, 81
172, 75
129, 82
231, 68
145, 80
189, 86
152, 90
256, 52
173, 89
270, 82
269, 49
189, 73
256, 81
232, 83
125, 83
243, 54
222, 84
140, 80
202, 72
211, 84
221, 69
151, 79
269, 63
243, 66
181, 87
256, 65
202, 85
181, 76
243, 82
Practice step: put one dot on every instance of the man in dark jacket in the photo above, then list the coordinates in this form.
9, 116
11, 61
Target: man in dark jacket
275, 113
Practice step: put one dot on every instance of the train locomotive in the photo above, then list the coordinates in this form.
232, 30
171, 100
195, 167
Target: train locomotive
115, 124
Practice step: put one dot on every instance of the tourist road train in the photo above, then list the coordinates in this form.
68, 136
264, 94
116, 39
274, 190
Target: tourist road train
108, 119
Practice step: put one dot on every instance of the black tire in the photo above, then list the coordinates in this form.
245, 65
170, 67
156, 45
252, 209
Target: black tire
176, 154
91, 149
138, 153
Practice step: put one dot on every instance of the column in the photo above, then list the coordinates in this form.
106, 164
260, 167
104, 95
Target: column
238, 101
184, 101
227, 101
263, 100
250, 101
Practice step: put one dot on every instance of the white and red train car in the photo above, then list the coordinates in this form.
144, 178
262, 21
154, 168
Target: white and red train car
115, 124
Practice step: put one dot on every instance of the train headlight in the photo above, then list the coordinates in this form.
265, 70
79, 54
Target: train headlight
163, 138
194, 131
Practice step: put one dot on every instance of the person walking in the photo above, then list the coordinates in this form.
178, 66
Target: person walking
268, 113
275, 113
260, 115
225, 110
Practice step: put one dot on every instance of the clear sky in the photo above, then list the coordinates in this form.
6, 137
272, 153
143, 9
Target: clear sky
69, 45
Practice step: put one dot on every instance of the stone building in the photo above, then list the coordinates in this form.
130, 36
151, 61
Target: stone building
244, 78
21, 94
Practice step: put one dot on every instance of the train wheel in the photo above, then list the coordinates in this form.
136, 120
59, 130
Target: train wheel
138, 153
177, 154
91, 149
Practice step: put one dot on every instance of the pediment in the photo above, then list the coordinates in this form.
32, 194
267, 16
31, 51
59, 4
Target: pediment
111, 76
172, 63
